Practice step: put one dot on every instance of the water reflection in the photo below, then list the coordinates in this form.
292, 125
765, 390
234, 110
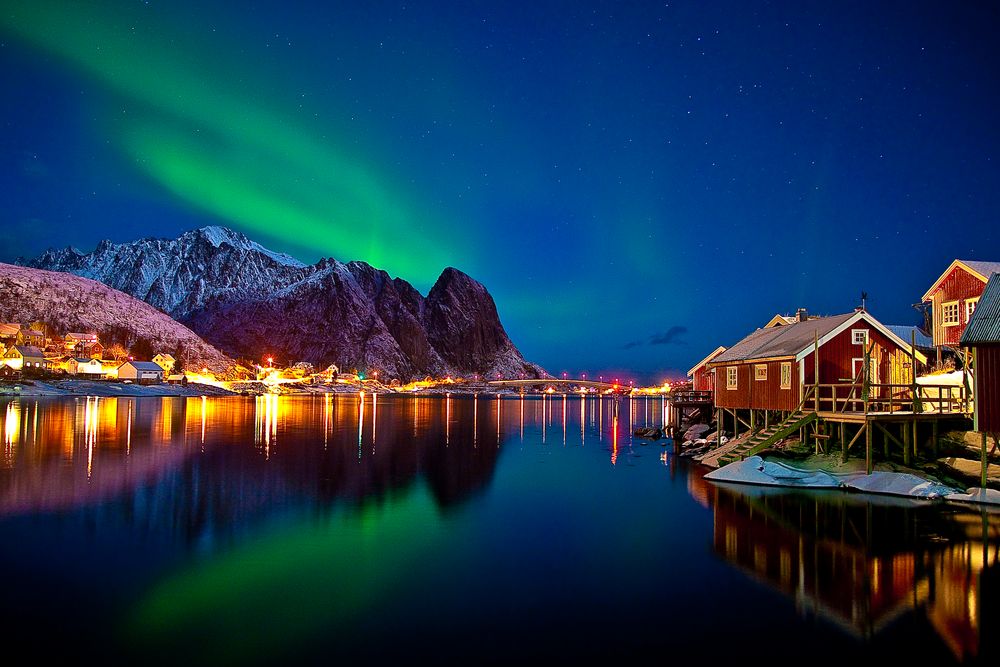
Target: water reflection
863, 562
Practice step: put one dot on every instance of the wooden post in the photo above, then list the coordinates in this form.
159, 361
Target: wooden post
982, 481
917, 407
753, 421
934, 437
885, 444
843, 441
906, 445
816, 368
868, 447
767, 416
914, 439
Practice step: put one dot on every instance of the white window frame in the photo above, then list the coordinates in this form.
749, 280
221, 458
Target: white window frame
945, 322
786, 375
854, 336
732, 378
970, 307
757, 375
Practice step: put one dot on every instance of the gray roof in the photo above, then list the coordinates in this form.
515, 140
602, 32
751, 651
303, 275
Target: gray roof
985, 268
84, 360
904, 331
144, 366
785, 341
984, 326
28, 351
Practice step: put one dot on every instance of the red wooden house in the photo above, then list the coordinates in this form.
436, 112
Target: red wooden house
770, 368
702, 378
953, 298
983, 335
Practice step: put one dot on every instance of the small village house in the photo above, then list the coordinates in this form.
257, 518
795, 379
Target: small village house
953, 299
27, 358
76, 342
770, 368
85, 367
142, 372
165, 361
815, 373
702, 377
31, 338
982, 334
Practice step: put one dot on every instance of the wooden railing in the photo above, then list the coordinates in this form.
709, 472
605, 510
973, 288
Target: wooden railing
887, 397
690, 396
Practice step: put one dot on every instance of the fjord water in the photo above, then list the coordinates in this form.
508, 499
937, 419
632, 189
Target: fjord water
378, 529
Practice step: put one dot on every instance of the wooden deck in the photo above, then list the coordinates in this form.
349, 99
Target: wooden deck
897, 416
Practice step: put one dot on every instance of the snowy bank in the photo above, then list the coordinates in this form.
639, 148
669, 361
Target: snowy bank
755, 470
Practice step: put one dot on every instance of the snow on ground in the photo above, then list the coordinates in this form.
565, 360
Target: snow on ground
953, 378
108, 389
755, 470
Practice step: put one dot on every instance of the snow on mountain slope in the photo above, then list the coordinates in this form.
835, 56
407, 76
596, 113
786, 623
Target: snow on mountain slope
249, 302
71, 303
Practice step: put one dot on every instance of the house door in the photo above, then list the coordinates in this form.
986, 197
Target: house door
857, 364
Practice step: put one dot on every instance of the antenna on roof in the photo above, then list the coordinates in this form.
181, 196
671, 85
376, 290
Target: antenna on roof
864, 298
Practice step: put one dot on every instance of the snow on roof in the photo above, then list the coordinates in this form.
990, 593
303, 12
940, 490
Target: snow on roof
984, 326
143, 366
983, 269
714, 353
904, 331
783, 341
28, 351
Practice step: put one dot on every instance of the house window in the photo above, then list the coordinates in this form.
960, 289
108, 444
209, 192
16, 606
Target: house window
786, 375
760, 371
970, 307
859, 336
949, 314
731, 377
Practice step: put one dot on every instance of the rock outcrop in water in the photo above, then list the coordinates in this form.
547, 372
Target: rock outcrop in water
251, 302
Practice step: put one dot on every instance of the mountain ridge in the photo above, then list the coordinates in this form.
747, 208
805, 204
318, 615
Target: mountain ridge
249, 301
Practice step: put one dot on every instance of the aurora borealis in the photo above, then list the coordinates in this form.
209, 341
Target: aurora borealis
635, 183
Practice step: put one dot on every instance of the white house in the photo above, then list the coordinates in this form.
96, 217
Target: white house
85, 367
143, 372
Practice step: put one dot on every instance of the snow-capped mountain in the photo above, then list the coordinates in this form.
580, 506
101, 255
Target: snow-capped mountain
181, 275
251, 302
71, 303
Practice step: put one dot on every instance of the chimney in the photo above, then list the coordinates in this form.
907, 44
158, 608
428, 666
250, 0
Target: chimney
802, 314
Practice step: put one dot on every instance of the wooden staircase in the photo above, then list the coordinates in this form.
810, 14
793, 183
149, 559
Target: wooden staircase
761, 440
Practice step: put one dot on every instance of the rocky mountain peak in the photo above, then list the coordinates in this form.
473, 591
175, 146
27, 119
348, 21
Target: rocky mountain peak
248, 300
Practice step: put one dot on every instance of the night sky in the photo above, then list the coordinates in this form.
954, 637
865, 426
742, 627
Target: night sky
636, 183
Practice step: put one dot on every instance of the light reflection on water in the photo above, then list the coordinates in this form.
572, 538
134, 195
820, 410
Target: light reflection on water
342, 517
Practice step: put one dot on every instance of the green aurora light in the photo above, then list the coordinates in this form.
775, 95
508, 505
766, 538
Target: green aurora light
222, 150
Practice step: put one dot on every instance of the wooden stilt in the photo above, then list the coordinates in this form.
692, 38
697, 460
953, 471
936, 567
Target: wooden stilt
885, 442
843, 442
982, 481
934, 437
906, 445
914, 439
868, 448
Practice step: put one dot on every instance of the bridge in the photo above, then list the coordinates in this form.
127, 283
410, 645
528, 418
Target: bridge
554, 382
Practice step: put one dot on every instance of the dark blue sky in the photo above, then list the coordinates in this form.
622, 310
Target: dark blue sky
634, 184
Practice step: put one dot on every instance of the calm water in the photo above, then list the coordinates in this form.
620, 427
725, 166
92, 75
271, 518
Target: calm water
323, 529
